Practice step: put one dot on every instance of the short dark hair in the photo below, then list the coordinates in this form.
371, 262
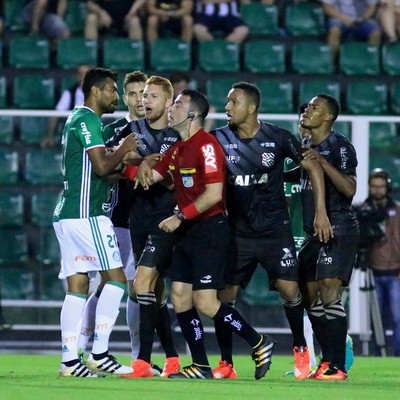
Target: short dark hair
198, 101
96, 77
332, 104
302, 108
251, 90
135, 77
178, 76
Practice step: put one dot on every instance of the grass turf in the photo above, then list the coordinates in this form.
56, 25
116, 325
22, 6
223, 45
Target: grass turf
35, 377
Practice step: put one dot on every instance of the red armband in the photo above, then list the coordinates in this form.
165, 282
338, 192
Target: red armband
190, 211
130, 172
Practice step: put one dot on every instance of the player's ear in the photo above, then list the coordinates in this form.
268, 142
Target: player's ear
169, 103
252, 108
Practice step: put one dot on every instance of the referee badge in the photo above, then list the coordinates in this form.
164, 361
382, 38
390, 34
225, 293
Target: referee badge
187, 177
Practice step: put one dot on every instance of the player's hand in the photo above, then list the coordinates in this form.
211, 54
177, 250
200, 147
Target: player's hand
170, 224
154, 158
322, 227
144, 176
311, 154
130, 143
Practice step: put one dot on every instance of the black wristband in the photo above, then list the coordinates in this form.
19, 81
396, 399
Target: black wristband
180, 215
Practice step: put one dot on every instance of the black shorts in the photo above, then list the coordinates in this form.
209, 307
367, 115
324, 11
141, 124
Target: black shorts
334, 259
275, 253
151, 245
215, 23
200, 253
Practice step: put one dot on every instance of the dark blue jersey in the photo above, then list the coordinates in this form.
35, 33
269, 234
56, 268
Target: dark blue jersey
158, 199
340, 153
255, 193
119, 205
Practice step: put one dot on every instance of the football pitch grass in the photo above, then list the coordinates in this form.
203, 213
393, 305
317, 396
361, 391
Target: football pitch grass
35, 377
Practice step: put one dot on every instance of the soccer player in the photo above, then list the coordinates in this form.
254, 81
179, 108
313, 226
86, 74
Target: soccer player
119, 213
85, 234
255, 152
151, 245
327, 266
197, 165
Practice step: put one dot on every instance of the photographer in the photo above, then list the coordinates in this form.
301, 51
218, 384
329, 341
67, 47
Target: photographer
379, 219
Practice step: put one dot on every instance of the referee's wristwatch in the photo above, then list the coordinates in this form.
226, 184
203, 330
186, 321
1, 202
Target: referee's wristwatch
180, 215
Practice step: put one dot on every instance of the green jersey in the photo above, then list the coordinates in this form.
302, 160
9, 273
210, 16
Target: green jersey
85, 193
293, 197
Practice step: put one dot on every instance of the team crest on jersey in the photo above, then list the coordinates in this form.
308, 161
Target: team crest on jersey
116, 256
268, 159
187, 177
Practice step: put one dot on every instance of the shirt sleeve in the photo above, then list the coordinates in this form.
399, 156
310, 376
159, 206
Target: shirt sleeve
89, 131
214, 162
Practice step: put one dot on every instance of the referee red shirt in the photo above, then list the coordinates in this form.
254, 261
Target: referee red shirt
194, 163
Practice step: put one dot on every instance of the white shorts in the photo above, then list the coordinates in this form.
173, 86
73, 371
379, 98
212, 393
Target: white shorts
125, 247
87, 245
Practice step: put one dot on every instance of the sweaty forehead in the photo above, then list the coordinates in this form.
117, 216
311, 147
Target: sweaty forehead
237, 94
153, 89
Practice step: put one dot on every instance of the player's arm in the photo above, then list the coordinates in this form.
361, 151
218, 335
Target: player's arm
105, 163
211, 196
322, 227
344, 184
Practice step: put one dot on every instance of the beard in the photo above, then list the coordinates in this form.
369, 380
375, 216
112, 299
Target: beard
232, 125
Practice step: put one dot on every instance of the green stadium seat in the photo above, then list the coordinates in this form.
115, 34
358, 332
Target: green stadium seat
33, 91
359, 58
383, 136
6, 129
75, 16
310, 88
277, 96
11, 209
14, 246
29, 52
43, 167
367, 98
312, 57
12, 15
76, 51
48, 249
170, 54
261, 19
257, 292
9, 166
123, 54
343, 127
1, 53
395, 97
304, 19
219, 56
264, 56
42, 207
390, 58
217, 91
3, 92
17, 282
33, 129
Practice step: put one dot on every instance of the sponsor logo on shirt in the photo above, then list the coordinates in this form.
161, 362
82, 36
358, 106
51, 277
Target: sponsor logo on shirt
267, 144
86, 133
344, 158
231, 146
248, 180
209, 158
